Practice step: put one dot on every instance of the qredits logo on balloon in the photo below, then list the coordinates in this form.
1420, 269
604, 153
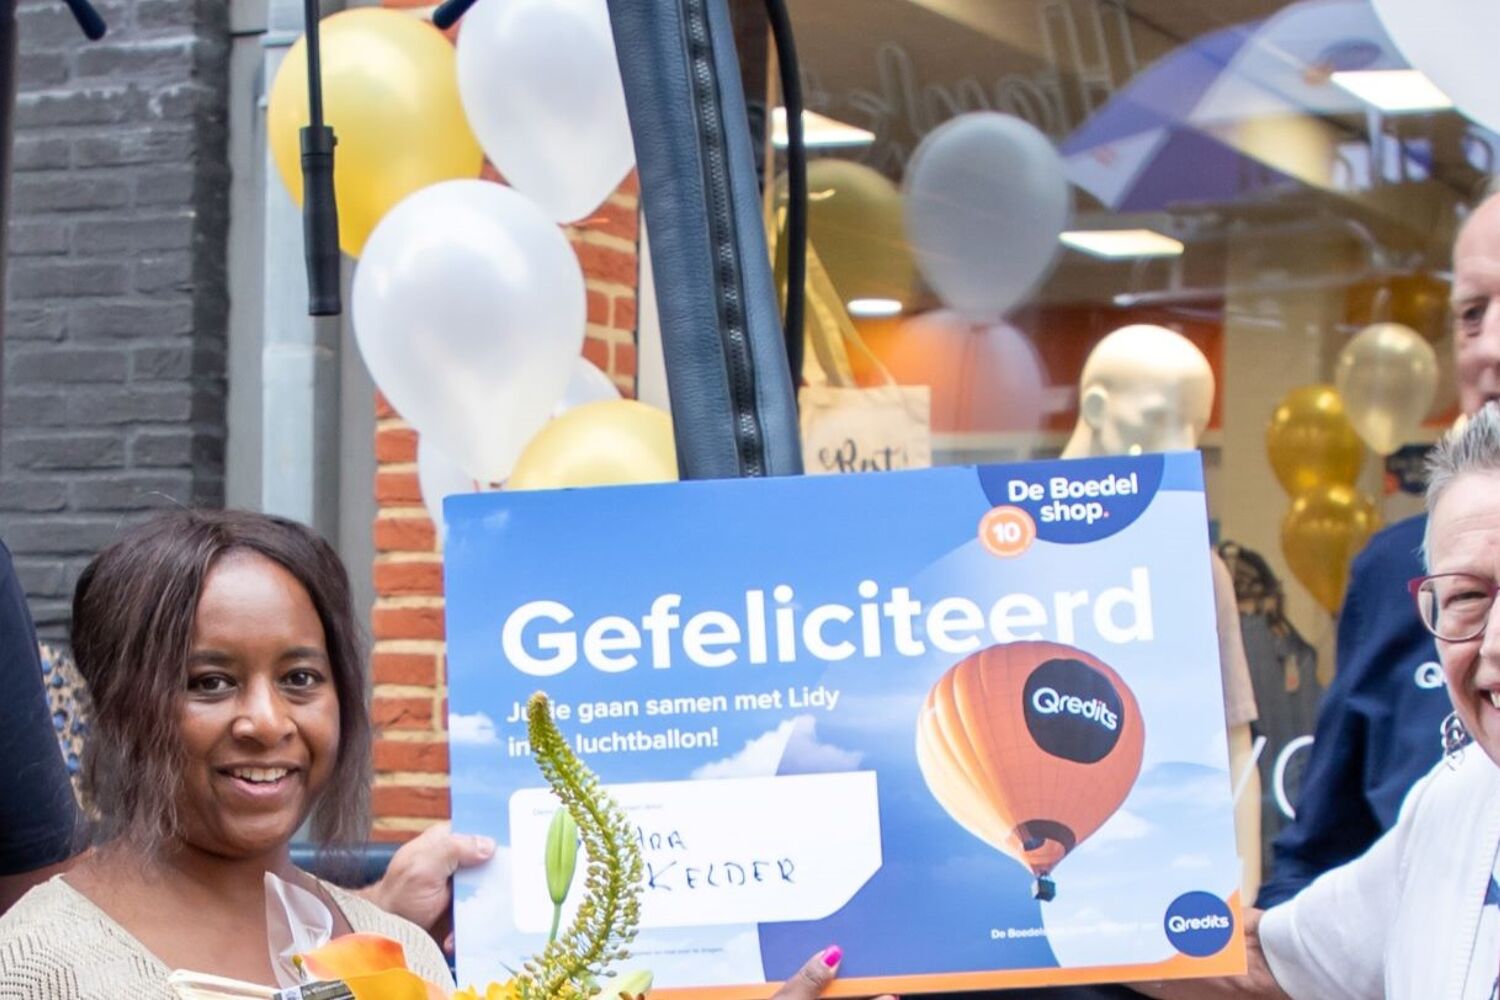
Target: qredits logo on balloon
1072, 710
1031, 746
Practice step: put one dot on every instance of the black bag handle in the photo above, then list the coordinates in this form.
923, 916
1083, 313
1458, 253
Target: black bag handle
732, 393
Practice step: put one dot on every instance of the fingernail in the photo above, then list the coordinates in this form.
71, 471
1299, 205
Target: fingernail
832, 955
486, 846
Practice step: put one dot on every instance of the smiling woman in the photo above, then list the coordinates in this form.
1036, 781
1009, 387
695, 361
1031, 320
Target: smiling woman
260, 719
229, 686
1418, 914
171, 593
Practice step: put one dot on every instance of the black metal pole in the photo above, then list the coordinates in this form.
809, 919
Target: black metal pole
320, 214
88, 19
796, 160
449, 11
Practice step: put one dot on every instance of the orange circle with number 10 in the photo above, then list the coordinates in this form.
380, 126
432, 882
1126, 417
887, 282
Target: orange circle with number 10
1007, 531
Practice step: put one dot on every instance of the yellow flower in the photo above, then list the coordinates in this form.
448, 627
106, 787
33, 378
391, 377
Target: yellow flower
494, 991
631, 985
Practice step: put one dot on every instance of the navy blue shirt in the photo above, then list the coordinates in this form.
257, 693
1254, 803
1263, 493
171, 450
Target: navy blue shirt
1378, 726
38, 813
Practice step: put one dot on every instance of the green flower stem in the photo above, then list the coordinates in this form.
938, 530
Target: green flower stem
609, 913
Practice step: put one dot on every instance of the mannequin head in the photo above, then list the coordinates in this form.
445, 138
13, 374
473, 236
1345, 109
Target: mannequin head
1144, 388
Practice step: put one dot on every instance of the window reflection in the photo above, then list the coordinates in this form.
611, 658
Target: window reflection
1267, 179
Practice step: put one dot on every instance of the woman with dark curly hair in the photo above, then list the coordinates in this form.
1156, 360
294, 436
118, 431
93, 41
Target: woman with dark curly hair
230, 705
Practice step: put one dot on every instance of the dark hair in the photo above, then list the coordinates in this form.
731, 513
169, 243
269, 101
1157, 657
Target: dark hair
133, 613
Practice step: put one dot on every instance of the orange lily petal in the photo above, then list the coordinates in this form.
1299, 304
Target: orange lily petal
393, 984
354, 955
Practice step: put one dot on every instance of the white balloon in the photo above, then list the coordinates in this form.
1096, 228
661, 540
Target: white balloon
540, 85
469, 309
1453, 43
439, 476
586, 385
1387, 375
986, 198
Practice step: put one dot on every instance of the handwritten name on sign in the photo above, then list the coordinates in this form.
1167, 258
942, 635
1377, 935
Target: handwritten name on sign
723, 850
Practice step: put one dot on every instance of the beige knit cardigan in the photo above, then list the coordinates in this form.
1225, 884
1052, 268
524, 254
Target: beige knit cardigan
57, 945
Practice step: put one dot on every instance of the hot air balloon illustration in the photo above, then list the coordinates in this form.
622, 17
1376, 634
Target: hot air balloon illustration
1030, 746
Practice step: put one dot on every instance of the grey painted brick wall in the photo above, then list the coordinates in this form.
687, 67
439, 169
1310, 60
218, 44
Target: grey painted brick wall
117, 294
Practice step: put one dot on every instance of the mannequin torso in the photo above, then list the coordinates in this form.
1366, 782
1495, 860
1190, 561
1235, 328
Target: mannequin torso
1148, 389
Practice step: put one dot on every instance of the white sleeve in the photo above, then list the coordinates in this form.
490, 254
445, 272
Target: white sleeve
1330, 940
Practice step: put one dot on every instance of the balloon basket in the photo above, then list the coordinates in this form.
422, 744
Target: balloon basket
1044, 889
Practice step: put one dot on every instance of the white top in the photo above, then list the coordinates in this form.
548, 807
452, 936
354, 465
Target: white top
1483, 980
1402, 921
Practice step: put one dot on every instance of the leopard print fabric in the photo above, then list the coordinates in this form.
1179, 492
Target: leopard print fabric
68, 700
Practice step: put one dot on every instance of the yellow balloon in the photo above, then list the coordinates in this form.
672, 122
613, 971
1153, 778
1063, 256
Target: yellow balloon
1321, 534
606, 443
1311, 442
390, 91
854, 221
1418, 301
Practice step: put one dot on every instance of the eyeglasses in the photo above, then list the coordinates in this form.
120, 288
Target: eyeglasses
1455, 607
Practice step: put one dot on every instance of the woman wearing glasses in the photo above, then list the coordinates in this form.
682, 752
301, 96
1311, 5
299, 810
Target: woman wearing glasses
1417, 917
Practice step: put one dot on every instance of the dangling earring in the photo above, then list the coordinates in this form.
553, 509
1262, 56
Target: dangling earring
1455, 737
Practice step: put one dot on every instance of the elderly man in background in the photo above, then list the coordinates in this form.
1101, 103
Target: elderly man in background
1378, 728
1417, 916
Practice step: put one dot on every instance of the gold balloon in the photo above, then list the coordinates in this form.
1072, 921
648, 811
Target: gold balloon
606, 443
390, 92
854, 219
1311, 442
1419, 301
1321, 534
1387, 376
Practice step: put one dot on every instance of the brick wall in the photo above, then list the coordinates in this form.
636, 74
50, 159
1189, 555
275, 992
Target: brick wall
410, 707
117, 293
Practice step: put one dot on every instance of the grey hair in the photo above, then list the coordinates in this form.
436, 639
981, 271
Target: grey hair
1472, 448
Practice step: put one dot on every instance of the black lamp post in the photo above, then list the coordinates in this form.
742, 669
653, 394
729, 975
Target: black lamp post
320, 214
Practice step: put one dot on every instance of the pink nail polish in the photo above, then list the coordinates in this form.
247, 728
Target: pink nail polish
832, 955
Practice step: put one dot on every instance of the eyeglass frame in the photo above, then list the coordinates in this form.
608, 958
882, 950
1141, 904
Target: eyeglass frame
1414, 586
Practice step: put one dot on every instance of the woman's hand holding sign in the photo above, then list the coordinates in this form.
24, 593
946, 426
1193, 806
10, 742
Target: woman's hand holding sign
809, 982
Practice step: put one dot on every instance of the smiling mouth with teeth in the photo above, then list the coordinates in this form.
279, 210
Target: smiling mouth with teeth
259, 775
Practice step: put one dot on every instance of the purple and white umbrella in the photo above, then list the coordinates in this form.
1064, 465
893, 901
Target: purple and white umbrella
1176, 132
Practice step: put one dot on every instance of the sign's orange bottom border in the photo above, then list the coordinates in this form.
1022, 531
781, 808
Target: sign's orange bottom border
1229, 962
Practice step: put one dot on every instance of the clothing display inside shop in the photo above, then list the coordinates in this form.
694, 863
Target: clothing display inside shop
1283, 670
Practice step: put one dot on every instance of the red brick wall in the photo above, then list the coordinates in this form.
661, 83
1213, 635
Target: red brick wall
410, 706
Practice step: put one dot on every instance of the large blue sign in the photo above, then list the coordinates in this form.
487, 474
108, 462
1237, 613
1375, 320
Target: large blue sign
966, 722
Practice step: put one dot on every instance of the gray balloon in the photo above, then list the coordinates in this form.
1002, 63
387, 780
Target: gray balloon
986, 198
